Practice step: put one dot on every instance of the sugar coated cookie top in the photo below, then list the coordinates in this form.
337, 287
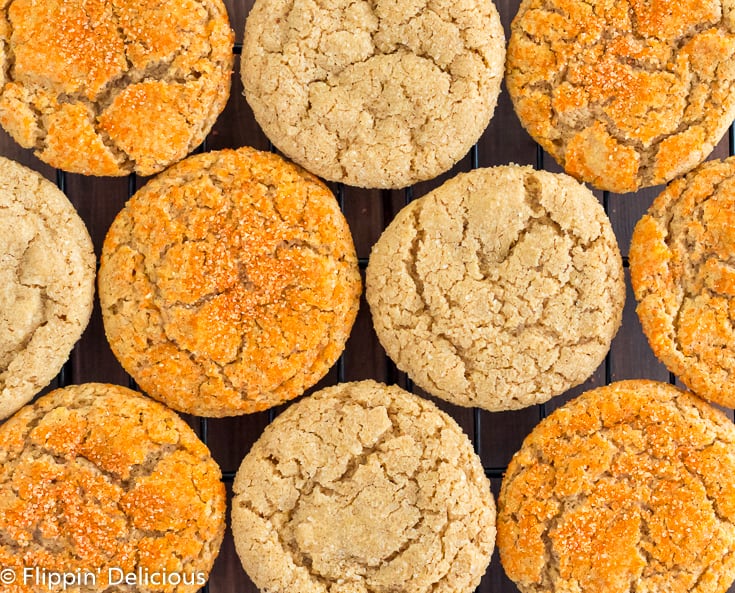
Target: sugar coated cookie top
624, 93
99, 479
110, 87
629, 487
229, 283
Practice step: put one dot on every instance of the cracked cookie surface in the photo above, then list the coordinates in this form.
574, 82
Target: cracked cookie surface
681, 268
624, 94
94, 477
229, 283
373, 93
500, 289
110, 87
363, 488
628, 488
47, 269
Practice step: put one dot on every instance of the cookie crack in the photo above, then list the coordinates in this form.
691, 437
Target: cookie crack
302, 558
137, 471
9, 63
411, 265
215, 107
686, 292
44, 297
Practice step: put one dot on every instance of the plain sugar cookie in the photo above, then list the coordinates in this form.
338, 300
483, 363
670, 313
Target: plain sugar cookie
630, 488
47, 270
682, 272
363, 487
373, 94
500, 289
229, 283
111, 87
97, 479
624, 94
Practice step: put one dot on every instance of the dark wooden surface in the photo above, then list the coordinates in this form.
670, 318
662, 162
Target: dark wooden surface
497, 436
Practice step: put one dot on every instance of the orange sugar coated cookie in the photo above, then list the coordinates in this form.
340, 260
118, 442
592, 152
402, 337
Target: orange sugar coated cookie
110, 87
229, 283
99, 479
629, 488
681, 268
363, 488
624, 94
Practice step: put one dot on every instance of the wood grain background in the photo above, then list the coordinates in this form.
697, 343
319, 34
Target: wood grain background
496, 436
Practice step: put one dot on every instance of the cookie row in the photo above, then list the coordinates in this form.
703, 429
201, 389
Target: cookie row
229, 284
504, 287
364, 487
622, 95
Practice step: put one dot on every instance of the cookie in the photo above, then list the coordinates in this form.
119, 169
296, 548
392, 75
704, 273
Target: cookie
363, 487
47, 268
101, 483
500, 289
625, 94
229, 283
373, 94
629, 487
110, 87
683, 278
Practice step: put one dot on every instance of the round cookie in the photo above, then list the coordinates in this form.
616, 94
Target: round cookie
373, 94
229, 283
98, 480
500, 289
624, 94
684, 280
110, 87
363, 487
628, 488
47, 269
